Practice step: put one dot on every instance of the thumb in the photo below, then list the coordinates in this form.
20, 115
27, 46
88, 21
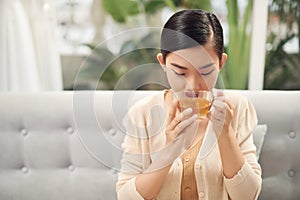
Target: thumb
220, 94
209, 114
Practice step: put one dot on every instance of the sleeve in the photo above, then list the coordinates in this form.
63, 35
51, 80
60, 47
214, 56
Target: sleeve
246, 184
135, 157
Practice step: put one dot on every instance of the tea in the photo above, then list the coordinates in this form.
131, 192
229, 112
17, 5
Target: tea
200, 106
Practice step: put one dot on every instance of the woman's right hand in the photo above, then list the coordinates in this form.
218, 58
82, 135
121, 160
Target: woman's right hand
179, 123
180, 131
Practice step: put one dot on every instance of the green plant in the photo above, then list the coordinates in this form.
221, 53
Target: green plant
133, 62
235, 73
133, 52
121, 10
282, 69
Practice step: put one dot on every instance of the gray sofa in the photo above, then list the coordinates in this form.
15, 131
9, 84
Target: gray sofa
66, 145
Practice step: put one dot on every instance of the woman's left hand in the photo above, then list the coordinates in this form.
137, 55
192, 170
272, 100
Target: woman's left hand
221, 115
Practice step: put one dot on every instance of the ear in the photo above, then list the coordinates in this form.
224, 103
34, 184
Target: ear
160, 59
223, 60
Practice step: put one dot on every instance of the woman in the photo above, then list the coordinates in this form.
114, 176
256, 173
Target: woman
164, 159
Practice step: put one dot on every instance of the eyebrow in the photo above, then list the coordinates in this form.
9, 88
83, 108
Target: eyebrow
207, 65
178, 66
202, 67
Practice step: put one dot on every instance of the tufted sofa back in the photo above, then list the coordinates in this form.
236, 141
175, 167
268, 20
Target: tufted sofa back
279, 158
66, 145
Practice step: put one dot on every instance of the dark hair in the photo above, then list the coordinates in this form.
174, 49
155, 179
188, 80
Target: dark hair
189, 28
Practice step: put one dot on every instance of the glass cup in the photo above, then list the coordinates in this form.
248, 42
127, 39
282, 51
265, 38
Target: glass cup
198, 100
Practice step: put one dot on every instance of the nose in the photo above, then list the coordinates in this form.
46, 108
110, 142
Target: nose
196, 82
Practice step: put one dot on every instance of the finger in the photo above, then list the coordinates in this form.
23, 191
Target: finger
218, 114
208, 115
218, 123
180, 118
230, 104
220, 94
219, 105
215, 119
219, 98
223, 111
183, 124
172, 111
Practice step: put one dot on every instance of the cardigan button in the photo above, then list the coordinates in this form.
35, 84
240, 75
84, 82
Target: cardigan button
198, 166
201, 194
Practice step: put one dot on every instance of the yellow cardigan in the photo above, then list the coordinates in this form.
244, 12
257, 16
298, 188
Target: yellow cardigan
145, 136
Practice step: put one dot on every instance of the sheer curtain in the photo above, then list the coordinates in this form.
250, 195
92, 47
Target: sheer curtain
42, 18
29, 60
18, 67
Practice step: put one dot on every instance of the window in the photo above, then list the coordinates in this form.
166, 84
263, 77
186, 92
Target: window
282, 64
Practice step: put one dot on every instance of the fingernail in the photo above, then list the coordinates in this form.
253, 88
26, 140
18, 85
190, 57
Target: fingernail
220, 104
188, 111
195, 116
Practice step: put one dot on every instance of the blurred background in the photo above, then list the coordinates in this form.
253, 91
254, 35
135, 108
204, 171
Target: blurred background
52, 45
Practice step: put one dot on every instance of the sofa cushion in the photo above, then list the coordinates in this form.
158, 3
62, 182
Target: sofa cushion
55, 145
258, 137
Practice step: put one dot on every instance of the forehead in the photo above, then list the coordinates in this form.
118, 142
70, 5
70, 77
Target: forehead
194, 55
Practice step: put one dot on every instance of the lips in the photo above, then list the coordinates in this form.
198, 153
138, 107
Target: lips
191, 94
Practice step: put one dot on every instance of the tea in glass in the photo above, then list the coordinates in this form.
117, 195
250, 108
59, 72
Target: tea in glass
199, 101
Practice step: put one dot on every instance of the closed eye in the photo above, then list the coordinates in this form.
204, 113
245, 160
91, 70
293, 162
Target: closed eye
208, 73
179, 74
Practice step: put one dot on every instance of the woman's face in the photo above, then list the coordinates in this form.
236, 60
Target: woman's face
193, 68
